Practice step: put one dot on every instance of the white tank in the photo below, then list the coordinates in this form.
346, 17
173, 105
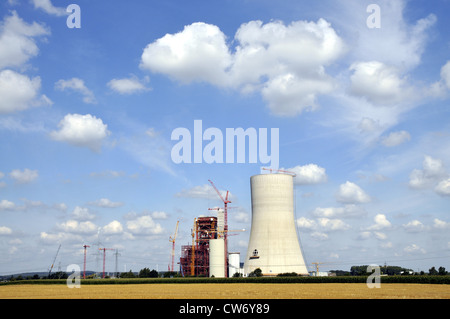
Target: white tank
234, 264
217, 258
273, 246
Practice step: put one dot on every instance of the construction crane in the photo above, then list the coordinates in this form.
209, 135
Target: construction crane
84, 264
51, 267
317, 267
172, 240
228, 231
225, 226
192, 264
104, 258
279, 170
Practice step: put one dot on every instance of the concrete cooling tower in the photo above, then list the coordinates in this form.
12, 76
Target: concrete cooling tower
273, 246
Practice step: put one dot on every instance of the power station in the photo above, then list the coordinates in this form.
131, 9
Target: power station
273, 245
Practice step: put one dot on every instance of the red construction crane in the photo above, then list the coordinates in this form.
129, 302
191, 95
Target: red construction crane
225, 226
84, 265
172, 240
104, 258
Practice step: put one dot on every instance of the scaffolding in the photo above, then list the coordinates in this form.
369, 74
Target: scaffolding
194, 259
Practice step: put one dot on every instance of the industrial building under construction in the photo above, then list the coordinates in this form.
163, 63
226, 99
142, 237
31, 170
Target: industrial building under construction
273, 246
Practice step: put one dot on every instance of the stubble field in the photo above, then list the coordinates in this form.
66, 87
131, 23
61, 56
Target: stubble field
228, 291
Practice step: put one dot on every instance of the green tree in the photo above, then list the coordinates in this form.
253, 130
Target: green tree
432, 271
256, 273
129, 274
442, 271
144, 273
153, 274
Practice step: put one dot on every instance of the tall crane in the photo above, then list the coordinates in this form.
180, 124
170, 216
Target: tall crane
192, 263
84, 264
317, 267
51, 267
225, 201
104, 258
172, 240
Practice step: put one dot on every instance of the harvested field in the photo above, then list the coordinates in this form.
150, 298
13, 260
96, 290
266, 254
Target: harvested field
228, 291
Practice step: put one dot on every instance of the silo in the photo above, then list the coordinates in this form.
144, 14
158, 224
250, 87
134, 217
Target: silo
234, 260
217, 257
273, 246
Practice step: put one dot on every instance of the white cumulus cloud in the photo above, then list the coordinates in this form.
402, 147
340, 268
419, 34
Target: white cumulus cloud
17, 40
113, 228
81, 130
381, 222
433, 171
19, 92
309, 174
350, 193
285, 63
144, 225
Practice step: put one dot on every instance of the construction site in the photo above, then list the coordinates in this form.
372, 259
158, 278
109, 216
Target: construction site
273, 245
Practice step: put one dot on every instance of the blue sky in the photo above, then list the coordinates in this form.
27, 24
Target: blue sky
86, 117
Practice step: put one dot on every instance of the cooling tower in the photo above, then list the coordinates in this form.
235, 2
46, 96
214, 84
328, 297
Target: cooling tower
273, 246
217, 257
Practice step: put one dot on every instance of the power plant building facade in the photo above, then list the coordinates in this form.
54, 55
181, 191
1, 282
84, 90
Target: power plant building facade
274, 244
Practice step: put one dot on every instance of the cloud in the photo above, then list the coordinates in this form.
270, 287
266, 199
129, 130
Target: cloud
306, 223
399, 42
322, 224
414, 226
5, 231
440, 224
81, 130
49, 238
332, 224
443, 187
198, 53
381, 222
20, 92
48, 7
113, 228
76, 227
433, 171
105, 202
440, 88
445, 74
319, 236
396, 138
17, 43
76, 85
127, 85
286, 64
82, 213
25, 176
350, 193
379, 83
350, 210
159, 215
144, 225
413, 248
308, 174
